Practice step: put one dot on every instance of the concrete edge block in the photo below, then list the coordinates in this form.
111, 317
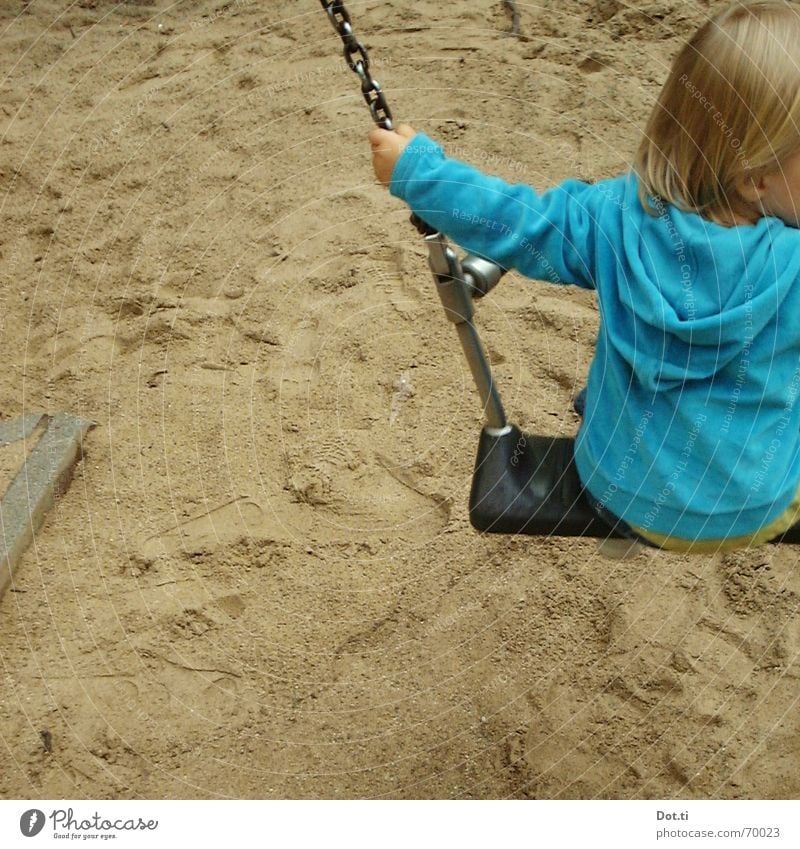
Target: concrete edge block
44, 476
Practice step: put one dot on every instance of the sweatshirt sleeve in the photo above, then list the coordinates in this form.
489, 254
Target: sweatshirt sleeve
546, 236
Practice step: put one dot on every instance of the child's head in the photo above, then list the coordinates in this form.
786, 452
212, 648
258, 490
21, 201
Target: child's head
722, 136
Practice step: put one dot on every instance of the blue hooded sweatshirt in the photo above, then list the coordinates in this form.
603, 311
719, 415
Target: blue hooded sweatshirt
691, 428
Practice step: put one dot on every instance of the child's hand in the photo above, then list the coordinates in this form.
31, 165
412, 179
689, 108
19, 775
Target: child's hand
387, 146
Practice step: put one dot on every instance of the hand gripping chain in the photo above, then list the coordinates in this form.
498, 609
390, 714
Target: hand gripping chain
357, 58
457, 281
373, 94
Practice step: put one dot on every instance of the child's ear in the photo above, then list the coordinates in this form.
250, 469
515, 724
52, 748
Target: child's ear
751, 187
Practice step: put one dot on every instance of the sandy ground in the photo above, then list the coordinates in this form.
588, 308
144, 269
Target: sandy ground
262, 582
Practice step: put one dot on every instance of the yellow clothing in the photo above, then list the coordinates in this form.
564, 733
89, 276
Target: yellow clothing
775, 528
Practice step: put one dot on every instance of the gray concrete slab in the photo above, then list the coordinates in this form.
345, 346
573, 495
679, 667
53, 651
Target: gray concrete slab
44, 476
17, 429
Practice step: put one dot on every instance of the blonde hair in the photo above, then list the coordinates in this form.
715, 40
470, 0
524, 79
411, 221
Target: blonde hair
729, 108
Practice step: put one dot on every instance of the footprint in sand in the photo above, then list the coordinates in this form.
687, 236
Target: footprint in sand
225, 524
301, 365
356, 488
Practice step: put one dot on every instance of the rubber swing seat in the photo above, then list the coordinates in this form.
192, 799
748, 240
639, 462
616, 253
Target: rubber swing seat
528, 484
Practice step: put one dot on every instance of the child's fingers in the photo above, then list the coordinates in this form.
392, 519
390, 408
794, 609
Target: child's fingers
378, 138
387, 147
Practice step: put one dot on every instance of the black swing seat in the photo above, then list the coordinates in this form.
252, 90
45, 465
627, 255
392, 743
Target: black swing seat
527, 484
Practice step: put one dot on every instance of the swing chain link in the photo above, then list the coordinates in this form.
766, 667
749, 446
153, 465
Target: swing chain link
370, 88
373, 94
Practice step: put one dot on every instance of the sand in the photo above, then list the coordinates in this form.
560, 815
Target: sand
262, 582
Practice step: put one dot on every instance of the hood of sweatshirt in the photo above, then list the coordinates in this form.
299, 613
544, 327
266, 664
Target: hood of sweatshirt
667, 325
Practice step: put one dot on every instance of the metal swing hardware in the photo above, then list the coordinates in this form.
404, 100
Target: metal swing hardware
370, 87
522, 484
457, 281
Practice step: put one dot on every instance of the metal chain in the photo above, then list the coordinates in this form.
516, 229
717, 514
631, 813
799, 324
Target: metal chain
373, 94
370, 88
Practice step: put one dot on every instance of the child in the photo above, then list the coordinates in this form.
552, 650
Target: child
691, 433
